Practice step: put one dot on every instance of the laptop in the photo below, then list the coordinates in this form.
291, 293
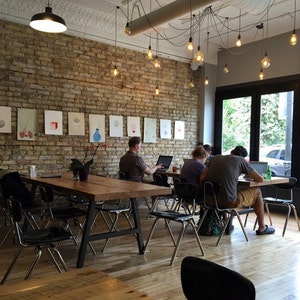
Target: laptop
165, 161
259, 166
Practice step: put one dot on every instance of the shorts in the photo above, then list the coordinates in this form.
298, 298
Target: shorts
245, 198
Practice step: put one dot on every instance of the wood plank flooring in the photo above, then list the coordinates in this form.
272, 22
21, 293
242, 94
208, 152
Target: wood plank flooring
271, 262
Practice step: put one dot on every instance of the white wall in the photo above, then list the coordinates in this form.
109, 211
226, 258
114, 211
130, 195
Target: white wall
244, 64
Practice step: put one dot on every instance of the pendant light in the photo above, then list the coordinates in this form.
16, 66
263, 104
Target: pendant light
239, 40
48, 22
265, 62
190, 45
156, 62
293, 39
115, 70
261, 74
199, 56
127, 29
226, 69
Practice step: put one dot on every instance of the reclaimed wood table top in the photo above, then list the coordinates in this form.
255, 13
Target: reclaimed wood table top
99, 188
85, 283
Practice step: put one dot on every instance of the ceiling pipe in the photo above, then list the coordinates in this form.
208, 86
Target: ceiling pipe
165, 14
180, 8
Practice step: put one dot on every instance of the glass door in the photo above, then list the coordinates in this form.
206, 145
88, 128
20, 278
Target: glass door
236, 123
276, 119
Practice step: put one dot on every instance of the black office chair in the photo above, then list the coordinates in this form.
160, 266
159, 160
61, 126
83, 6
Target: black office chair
182, 190
283, 190
203, 279
38, 238
211, 189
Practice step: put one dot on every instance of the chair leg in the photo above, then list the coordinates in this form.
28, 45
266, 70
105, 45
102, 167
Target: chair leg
150, 234
286, 219
296, 215
11, 266
54, 260
35, 261
54, 249
268, 212
183, 226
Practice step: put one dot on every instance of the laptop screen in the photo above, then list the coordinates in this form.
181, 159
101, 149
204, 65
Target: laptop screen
164, 160
259, 166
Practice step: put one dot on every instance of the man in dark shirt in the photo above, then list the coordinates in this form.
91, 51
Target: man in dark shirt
133, 164
226, 170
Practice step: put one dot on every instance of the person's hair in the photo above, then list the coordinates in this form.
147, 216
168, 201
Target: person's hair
134, 141
240, 151
199, 152
207, 147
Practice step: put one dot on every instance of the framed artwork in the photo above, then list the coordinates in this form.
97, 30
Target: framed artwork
27, 128
97, 128
179, 130
149, 130
165, 129
53, 122
5, 119
116, 126
133, 126
76, 123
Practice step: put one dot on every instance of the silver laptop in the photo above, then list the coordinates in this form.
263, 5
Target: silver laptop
259, 166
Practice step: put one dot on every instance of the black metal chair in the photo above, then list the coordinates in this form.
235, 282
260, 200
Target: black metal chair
283, 190
210, 190
38, 238
182, 190
65, 214
204, 279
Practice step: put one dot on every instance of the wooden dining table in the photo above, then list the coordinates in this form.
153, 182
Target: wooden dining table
77, 284
98, 188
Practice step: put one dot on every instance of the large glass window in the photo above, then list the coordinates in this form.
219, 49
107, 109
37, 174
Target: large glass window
236, 123
276, 132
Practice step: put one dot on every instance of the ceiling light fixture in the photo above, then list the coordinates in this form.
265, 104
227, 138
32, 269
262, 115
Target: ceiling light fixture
293, 39
239, 40
199, 56
48, 22
265, 62
127, 29
261, 74
115, 70
226, 69
156, 62
190, 45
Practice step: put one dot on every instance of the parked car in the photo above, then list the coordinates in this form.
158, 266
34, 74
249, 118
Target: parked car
276, 158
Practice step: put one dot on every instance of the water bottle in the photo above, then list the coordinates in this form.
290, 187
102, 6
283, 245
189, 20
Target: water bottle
269, 173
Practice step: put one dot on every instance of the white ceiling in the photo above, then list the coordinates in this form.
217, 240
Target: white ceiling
95, 20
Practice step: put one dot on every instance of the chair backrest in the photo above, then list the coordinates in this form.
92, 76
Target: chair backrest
203, 279
210, 191
12, 185
186, 191
47, 194
161, 179
124, 175
16, 215
287, 186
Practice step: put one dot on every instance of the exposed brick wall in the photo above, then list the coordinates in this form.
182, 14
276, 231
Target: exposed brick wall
60, 72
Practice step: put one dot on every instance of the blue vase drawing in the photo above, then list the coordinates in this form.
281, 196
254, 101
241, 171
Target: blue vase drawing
97, 135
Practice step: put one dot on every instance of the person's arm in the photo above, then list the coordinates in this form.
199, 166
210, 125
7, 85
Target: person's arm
256, 176
150, 171
203, 176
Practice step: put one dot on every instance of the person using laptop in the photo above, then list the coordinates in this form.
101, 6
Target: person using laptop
133, 164
226, 170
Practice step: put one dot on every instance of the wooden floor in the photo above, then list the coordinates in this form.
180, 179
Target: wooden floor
271, 262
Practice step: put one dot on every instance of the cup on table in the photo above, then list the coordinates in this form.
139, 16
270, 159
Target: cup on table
174, 169
32, 171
